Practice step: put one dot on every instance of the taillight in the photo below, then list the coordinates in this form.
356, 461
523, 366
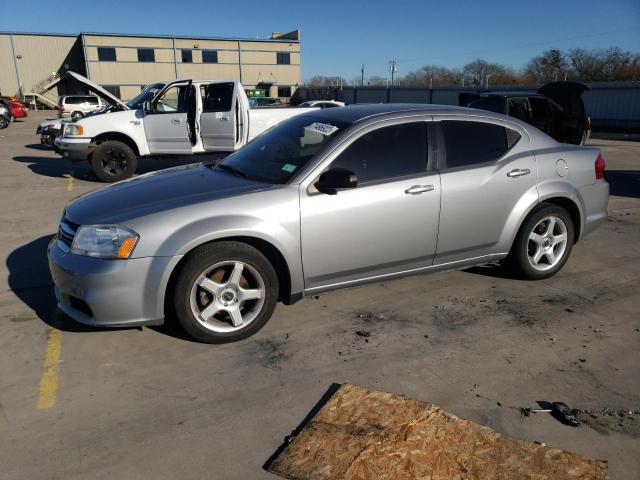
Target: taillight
599, 167
61, 108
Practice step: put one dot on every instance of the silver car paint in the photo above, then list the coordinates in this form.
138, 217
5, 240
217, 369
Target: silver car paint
326, 242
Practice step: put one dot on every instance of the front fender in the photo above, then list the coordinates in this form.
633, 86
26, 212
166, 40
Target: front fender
192, 235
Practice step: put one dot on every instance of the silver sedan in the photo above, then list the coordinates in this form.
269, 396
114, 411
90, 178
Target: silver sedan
326, 200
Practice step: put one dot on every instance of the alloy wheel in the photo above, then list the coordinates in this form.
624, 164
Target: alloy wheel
227, 296
114, 163
547, 243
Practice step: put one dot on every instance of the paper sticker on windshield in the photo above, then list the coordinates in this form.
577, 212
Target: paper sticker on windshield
323, 128
287, 167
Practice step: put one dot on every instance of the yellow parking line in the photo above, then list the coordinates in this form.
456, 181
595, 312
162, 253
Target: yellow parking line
70, 182
49, 380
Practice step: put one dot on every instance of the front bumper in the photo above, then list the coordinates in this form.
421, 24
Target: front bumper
110, 293
75, 149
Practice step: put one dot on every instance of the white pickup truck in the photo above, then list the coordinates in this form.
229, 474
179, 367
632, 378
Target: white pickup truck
184, 117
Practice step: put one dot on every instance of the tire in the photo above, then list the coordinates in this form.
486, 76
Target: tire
208, 298
75, 116
583, 137
544, 255
113, 161
4, 122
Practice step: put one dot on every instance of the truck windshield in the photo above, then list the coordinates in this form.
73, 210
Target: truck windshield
145, 95
279, 153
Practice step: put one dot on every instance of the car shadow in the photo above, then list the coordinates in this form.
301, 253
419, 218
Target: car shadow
623, 183
494, 270
38, 146
30, 280
59, 167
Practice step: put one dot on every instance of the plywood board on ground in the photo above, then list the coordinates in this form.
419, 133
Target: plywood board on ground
368, 435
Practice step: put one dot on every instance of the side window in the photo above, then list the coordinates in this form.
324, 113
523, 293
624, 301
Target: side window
388, 152
492, 104
173, 100
107, 54
218, 97
518, 108
540, 110
92, 100
146, 55
470, 143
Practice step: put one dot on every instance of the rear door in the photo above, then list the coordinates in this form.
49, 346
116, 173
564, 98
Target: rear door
220, 117
485, 170
165, 126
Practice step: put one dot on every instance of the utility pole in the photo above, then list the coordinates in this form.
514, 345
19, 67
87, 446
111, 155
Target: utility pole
393, 67
362, 75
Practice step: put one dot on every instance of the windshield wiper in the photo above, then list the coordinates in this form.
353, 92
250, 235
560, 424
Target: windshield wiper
231, 169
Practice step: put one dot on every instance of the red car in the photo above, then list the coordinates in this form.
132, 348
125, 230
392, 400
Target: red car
16, 108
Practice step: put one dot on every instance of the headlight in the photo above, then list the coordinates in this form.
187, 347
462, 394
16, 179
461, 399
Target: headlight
104, 241
73, 130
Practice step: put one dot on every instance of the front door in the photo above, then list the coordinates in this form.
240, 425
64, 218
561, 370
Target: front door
166, 126
486, 170
387, 224
219, 116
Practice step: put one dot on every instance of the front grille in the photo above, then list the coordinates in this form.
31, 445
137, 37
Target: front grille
67, 231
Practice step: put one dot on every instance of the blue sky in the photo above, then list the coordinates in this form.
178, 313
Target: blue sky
339, 36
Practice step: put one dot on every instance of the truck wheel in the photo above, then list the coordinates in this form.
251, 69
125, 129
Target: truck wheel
543, 244
226, 291
75, 116
113, 161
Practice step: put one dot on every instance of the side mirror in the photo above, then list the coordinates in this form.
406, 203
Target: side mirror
147, 107
334, 179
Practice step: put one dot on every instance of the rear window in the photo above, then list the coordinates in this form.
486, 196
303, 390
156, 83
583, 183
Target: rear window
471, 143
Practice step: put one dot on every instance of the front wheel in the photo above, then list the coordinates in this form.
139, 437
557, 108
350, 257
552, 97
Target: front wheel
4, 122
113, 161
75, 116
226, 291
543, 244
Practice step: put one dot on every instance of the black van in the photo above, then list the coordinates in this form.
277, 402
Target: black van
556, 108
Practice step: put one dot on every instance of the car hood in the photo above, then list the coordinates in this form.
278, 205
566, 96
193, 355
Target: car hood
157, 192
98, 90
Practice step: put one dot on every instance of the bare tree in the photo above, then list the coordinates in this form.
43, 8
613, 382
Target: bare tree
479, 72
604, 64
552, 65
431, 75
376, 81
324, 81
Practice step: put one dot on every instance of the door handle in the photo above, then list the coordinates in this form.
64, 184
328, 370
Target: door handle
518, 172
176, 121
418, 189
224, 119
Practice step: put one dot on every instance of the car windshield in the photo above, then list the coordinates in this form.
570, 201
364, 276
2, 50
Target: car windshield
279, 153
145, 95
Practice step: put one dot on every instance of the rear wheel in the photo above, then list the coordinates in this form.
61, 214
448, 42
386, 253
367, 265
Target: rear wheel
543, 243
4, 122
226, 291
113, 161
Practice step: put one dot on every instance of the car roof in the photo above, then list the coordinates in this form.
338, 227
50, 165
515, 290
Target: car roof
508, 94
81, 96
360, 112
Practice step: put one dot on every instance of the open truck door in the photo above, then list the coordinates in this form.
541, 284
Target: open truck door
225, 116
166, 123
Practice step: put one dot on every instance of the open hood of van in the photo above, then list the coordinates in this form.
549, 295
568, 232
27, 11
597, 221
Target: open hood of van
566, 94
98, 90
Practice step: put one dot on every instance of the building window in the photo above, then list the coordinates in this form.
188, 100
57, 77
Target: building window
106, 54
146, 55
187, 56
112, 89
283, 58
209, 56
284, 92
